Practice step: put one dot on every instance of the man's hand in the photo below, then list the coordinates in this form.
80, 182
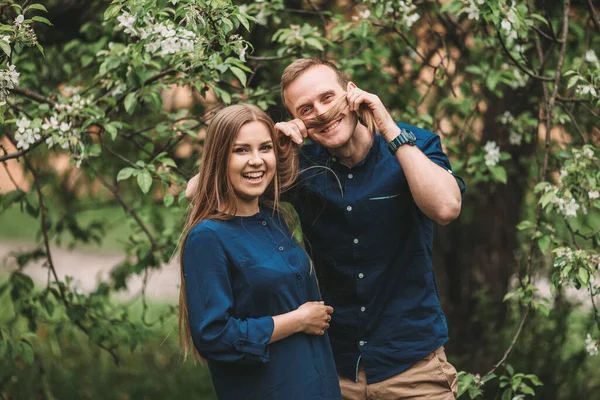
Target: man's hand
293, 129
383, 119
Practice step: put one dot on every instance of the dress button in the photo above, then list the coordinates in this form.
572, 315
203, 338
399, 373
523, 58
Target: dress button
362, 309
264, 223
333, 159
349, 208
280, 248
350, 176
243, 344
362, 342
361, 275
355, 241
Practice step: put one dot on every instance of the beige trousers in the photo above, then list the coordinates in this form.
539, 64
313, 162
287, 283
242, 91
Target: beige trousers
432, 378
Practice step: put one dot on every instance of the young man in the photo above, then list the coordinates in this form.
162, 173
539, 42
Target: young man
367, 203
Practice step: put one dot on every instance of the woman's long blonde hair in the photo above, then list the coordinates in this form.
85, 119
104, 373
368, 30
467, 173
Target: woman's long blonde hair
214, 197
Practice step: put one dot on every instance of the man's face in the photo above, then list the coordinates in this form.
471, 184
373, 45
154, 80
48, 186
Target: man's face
313, 93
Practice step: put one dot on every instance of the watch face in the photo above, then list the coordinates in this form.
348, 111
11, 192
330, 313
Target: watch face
411, 136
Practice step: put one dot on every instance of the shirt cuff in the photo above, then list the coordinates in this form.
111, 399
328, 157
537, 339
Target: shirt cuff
258, 335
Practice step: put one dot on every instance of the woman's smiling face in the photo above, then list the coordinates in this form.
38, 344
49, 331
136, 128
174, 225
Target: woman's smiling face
251, 164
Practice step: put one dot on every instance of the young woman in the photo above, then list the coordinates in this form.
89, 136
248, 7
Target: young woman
249, 299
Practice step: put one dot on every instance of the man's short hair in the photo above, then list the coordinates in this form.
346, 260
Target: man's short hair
301, 65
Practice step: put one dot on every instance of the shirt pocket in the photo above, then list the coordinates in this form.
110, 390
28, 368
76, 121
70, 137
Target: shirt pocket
388, 210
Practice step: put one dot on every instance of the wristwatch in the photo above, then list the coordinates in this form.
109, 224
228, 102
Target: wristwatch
405, 137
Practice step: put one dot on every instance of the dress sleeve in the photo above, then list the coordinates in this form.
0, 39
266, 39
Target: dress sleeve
431, 146
216, 333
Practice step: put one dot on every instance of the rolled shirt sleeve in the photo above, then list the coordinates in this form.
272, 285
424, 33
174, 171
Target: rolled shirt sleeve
431, 145
216, 333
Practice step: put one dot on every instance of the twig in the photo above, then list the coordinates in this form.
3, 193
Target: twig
518, 65
128, 208
512, 344
19, 153
593, 15
33, 95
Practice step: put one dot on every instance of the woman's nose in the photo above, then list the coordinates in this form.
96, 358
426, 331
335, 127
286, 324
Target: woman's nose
255, 159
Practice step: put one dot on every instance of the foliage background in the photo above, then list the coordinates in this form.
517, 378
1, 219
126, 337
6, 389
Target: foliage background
511, 86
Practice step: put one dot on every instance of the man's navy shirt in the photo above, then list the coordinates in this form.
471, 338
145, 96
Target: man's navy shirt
372, 249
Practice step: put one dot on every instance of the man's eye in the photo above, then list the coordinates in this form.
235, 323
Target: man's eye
328, 97
305, 110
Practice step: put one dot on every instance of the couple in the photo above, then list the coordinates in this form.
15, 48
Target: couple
250, 300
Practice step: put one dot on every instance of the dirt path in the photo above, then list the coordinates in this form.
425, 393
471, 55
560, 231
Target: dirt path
88, 268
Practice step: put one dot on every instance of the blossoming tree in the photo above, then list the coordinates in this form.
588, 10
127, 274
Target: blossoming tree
512, 88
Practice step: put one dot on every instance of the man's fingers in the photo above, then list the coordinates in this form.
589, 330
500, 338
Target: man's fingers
290, 130
301, 127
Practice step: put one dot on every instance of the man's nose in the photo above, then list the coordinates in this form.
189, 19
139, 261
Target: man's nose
321, 108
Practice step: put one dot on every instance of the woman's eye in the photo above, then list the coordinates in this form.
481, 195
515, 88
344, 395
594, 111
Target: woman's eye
239, 150
267, 147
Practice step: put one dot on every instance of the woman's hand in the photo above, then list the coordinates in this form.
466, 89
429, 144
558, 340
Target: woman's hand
314, 317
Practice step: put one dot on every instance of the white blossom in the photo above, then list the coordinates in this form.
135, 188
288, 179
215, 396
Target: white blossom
585, 89
65, 127
19, 20
27, 138
492, 156
589, 153
591, 346
472, 10
50, 123
23, 124
9, 78
594, 194
507, 118
515, 138
126, 21
570, 209
592, 58
506, 25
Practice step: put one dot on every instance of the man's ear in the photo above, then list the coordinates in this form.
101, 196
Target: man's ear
350, 86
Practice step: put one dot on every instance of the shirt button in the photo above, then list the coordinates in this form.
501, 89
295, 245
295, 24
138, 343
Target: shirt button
350, 176
362, 309
355, 241
264, 223
361, 275
349, 208
298, 276
362, 342
280, 248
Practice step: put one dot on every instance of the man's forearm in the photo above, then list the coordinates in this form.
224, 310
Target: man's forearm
434, 189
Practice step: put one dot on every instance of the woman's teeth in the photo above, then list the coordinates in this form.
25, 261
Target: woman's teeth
253, 176
330, 127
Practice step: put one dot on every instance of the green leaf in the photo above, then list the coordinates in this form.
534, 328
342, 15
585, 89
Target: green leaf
508, 296
540, 186
244, 21
510, 369
40, 49
526, 390
5, 47
499, 173
583, 276
130, 102
168, 162
35, 7
42, 20
525, 225
112, 11
544, 244
144, 180
314, 43
572, 81
168, 199
239, 74
112, 130
26, 352
125, 173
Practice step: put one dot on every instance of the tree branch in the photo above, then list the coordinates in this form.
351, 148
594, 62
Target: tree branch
33, 96
593, 15
518, 65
